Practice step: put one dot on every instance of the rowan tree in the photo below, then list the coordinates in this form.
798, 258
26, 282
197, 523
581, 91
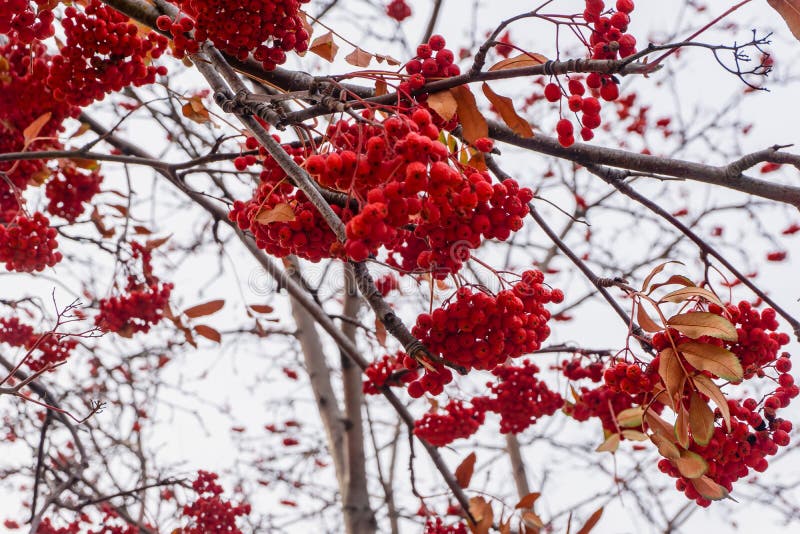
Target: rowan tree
396, 266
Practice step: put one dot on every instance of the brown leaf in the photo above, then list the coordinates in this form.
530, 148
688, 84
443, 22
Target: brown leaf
532, 520
380, 332
152, 244
657, 269
31, 132
634, 435
520, 61
261, 308
675, 279
483, 514
691, 464
686, 293
712, 391
505, 107
381, 88
141, 230
591, 522
207, 308
717, 360
282, 212
324, 47
473, 123
790, 11
443, 103
359, 58
380, 58
682, 427
630, 418
611, 444
658, 425
701, 419
528, 500
672, 374
195, 110
697, 324
666, 448
709, 489
644, 319
207, 332
465, 469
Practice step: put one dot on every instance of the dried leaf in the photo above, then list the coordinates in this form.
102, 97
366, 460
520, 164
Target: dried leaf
701, 419
359, 58
324, 47
712, 391
207, 308
207, 332
709, 489
381, 88
717, 360
630, 418
591, 522
675, 279
141, 230
380, 332
152, 244
261, 308
657, 269
634, 435
697, 324
666, 447
281, 212
691, 464
644, 319
505, 107
528, 500
686, 293
520, 61
443, 103
790, 11
682, 427
380, 58
611, 444
195, 110
465, 469
532, 520
31, 132
482, 512
672, 374
473, 123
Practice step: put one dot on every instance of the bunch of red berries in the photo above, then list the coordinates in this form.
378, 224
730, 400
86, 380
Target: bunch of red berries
103, 54
28, 244
480, 331
210, 512
437, 526
519, 397
456, 422
630, 378
69, 189
603, 403
575, 370
21, 21
433, 61
267, 31
388, 371
48, 349
398, 10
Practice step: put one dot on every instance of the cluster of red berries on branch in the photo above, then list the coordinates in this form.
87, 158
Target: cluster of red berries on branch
104, 52
480, 331
28, 244
43, 349
433, 61
266, 30
608, 40
437, 526
25, 21
399, 10
143, 303
70, 189
456, 421
388, 371
427, 211
210, 512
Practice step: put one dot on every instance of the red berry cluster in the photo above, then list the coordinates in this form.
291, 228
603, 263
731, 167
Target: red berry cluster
630, 378
103, 54
142, 305
398, 10
574, 370
387, 283
758, 343
437, 526
519, 397
433, 380
388, 371
28, 244
456, 422
210, 512
433, 61
69, 189
22, 22
481, 331
267, 30
603, 403
48, 349
14, 332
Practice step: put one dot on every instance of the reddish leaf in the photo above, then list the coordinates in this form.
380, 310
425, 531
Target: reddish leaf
709, 489
611, 444
790, 11
206, 308
528, 500
697, 324
532, 520
31, 132
195, 110
711, 390
644, 319
701, 419
682, 427
381, 88
483, 514
691, 464
657, 269
505, 107
465, 469
152, 244
359, 58
591, 522
675, 279
520, 61
282, 212
717, 360
630, 418
261, 308
207, 332
443, 103
324, 47
666, 447
634, 435
672, 374
380, 332
473, 124
686, 293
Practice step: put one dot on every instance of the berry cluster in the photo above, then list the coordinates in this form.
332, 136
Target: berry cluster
629, 378
388, 371
28, 244
433, 61
69, 189
437, 526
104, 53
210, 512
42, 349
23, 22
519, 397
458, 421
142, 305
480, 331
398, 10
267, 31
604, 404
574, 370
